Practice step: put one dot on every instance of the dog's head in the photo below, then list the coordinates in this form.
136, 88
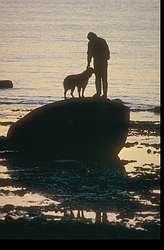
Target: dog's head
89, 71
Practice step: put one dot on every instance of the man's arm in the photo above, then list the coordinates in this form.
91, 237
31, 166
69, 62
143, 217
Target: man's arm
89, 55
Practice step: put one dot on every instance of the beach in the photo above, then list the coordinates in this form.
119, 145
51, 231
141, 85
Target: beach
55, 197
42, 43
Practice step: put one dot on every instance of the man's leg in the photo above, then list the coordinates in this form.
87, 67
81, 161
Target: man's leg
98, 84
97, 70
105, 81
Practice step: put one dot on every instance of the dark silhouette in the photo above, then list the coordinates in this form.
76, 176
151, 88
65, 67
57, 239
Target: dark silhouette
101, 217
6, 84
79, 80
99, 50
76, 129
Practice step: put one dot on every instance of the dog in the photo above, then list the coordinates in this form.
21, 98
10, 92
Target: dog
79, 80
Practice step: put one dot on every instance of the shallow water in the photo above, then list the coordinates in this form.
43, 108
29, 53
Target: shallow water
43, 42
122, 194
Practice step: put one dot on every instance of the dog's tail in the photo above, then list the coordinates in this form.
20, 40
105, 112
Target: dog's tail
65, 90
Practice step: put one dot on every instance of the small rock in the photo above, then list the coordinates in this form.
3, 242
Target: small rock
6, 84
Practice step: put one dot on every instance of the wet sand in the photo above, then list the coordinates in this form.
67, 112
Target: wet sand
40, 228
85, 200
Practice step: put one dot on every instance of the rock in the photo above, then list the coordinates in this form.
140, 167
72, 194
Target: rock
6, 84
77, 128
157, 109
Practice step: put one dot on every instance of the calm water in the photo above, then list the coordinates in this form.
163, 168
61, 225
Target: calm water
41, 43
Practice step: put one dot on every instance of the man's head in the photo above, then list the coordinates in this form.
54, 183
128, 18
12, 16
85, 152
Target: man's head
91, 36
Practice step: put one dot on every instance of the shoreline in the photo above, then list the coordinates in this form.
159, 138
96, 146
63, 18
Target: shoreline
129, 209
138, 115
141, 134
32, 204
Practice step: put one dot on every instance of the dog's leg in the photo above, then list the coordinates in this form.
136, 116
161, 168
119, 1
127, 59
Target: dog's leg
83, 89
65, 94
72, 92
79, 90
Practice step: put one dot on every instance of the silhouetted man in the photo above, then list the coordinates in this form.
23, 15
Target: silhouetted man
99, 50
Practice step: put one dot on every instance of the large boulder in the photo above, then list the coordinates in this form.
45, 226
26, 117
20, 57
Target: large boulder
77, 128
6, 84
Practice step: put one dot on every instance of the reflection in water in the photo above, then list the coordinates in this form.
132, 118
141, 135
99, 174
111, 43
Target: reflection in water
131, 220
83, 215
23, 198
90, 193
141, 157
